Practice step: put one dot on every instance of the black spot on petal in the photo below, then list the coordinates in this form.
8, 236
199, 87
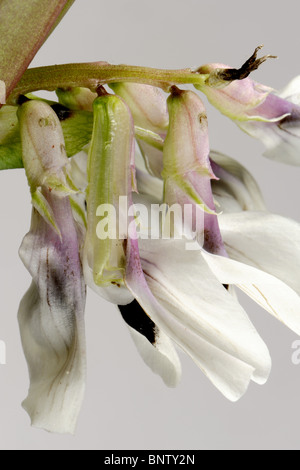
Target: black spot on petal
62, 112
136, 318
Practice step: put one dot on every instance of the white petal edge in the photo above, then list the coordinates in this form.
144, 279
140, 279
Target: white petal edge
265, 241
220, 359
281, 145
270, 293
292, 91
161, 357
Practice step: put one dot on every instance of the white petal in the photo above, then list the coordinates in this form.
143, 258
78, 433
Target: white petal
55, 353
236, 185
224, 201
51, 319
78, 170
186, 301
292, 91
266, 241
269, 292
153, 158
154, 346
150, 186
282, 140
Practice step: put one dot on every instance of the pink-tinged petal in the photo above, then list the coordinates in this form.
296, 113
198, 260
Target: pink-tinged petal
273, 118
187, 167
51, 314
236, 99
196, 312
281, 139
273, 109
147, 104
148, 107
51, 318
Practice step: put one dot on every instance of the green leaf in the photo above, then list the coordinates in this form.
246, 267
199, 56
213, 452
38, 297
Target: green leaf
77, 128
24, 27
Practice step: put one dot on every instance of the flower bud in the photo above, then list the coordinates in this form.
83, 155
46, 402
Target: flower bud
187, 170
186, 149
43, 147
147, 105
263, 113
109, 178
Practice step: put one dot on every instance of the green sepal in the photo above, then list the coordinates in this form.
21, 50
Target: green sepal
41, 204
59, 187
79, 211
189, 190
151, 138
108, 171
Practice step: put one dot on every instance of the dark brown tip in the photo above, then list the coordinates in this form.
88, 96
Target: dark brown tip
175, 91
253, 63
101, 91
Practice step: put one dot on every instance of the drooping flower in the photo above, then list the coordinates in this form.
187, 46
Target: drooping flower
166, 291
203, 325
111, 176
277, 294
272, 117
191, 309
187, 169
51, 314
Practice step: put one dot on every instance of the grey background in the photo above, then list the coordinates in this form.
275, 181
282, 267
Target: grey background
126, 406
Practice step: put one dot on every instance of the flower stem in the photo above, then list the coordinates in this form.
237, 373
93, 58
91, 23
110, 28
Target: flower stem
92, 75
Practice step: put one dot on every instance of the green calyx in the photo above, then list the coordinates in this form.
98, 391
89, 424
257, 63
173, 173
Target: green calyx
109, 173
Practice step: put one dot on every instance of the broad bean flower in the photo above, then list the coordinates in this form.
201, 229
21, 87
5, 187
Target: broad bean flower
148, 216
